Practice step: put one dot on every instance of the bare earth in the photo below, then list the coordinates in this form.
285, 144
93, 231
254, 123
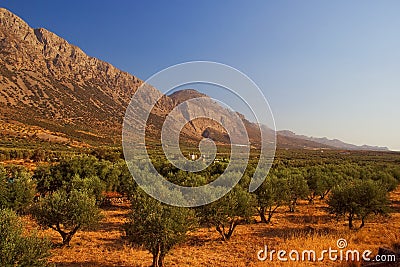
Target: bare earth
309, 228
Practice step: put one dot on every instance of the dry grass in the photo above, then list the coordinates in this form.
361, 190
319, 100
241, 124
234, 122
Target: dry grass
309, 228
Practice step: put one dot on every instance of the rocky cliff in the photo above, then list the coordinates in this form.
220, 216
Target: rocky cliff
48, 82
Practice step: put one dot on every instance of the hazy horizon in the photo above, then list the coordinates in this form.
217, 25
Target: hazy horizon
328, 69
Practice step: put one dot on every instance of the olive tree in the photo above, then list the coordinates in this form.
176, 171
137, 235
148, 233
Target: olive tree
297, 188
3, 188
156, 226
66, 173
358, 199
272, 194
225, 214
67, 212
320, 181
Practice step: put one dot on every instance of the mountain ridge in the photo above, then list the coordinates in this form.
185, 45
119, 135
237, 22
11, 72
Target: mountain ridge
335, 143
54, 87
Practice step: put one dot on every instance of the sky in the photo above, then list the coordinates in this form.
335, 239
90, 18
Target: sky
327, 68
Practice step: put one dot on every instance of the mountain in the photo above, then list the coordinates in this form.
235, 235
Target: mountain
47, 82
51, 90
332, 143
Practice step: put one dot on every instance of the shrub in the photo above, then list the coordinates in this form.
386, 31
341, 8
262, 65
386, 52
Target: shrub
17, 249
17, 190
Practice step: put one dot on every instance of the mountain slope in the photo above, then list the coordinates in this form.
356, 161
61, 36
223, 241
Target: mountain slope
52, 90
48, 82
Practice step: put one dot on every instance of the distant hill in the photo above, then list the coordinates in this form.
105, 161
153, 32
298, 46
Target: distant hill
332, 143
51, 90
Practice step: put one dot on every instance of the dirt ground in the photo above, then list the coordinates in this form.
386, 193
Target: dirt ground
309, 228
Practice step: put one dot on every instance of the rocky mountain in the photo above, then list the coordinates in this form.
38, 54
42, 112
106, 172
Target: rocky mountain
53, 87
49, 83
51, 90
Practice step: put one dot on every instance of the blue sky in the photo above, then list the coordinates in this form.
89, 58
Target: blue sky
327, 68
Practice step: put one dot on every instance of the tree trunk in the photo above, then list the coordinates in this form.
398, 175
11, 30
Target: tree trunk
67, 239
362, 222
311, 198
157, 257
292, 205
221, 231
161, 261
270, 213
350, 221
66, 236
323, 195
232, 227
261, 211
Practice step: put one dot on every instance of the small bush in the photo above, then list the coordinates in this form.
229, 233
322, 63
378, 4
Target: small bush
17, 249
17, 189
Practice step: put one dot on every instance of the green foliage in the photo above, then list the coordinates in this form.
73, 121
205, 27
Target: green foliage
38, 155
52, 178
3, 188
108, 175
107, 154
156, 226
29, 150
296, 184
236, 207
91, 185
127, 184
67, 212
17, 190
84, 172
98, 175
358, 199
272, 194
320, 181
385, 179
17, 249
395, 172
